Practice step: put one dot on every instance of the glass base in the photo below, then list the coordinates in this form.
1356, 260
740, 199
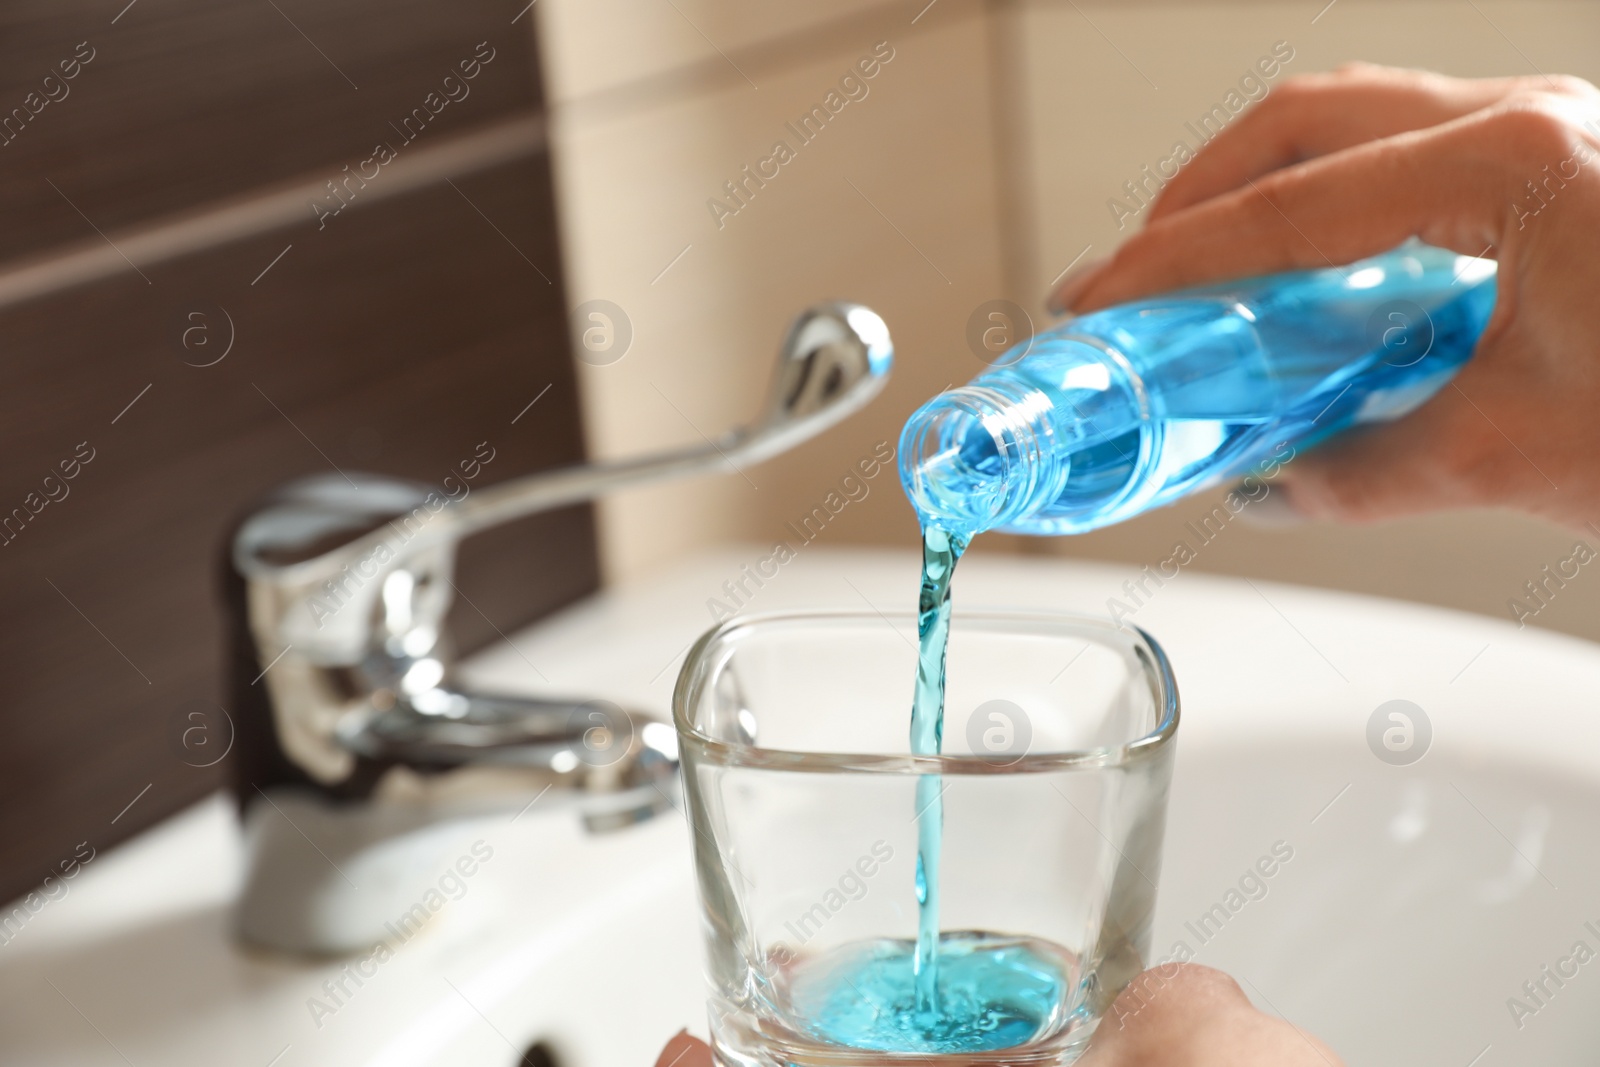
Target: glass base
1000, 1000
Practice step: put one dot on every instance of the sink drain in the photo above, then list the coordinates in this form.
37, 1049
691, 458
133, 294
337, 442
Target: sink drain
539, 1055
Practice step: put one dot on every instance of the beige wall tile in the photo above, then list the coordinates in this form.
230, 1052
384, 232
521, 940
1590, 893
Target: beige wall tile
893, 205
603, 44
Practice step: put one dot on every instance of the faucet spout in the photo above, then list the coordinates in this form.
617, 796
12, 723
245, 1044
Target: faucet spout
363, 727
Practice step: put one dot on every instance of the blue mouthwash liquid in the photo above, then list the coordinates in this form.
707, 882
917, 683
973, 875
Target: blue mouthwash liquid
957, 992
940, 551
994, 992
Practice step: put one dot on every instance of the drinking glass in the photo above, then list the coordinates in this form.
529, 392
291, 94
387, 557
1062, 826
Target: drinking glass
802, 795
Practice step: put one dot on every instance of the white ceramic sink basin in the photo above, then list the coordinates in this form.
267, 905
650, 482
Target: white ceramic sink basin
1416, 903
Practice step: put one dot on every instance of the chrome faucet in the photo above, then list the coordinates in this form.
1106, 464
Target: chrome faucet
354, 735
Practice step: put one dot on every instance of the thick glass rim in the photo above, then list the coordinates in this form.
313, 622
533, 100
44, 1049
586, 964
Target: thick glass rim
695, 673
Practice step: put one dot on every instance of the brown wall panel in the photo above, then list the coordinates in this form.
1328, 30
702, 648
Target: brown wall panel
393, 341
188, 101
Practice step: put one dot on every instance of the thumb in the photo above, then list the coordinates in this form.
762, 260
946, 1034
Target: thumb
1186, 1015
1471, 445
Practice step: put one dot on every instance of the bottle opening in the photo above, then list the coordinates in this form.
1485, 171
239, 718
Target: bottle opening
971, 458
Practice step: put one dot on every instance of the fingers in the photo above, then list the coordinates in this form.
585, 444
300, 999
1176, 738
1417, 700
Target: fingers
685, 1051
1186, 1015
1447, 185
1317, 114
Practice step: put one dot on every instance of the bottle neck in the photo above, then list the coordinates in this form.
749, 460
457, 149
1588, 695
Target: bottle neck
982, 456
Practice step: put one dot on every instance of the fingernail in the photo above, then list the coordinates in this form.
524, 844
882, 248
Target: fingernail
1271, 510
1073, 283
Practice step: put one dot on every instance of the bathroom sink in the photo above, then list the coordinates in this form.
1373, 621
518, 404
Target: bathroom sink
1408, 901
584, 946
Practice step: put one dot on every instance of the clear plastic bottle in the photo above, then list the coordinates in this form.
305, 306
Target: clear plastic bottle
1130, 408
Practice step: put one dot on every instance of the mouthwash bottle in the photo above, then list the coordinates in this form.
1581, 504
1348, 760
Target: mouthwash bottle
1130, 408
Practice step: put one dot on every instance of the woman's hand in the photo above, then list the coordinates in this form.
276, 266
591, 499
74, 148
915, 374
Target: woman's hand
1331, 168
1177, 1015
